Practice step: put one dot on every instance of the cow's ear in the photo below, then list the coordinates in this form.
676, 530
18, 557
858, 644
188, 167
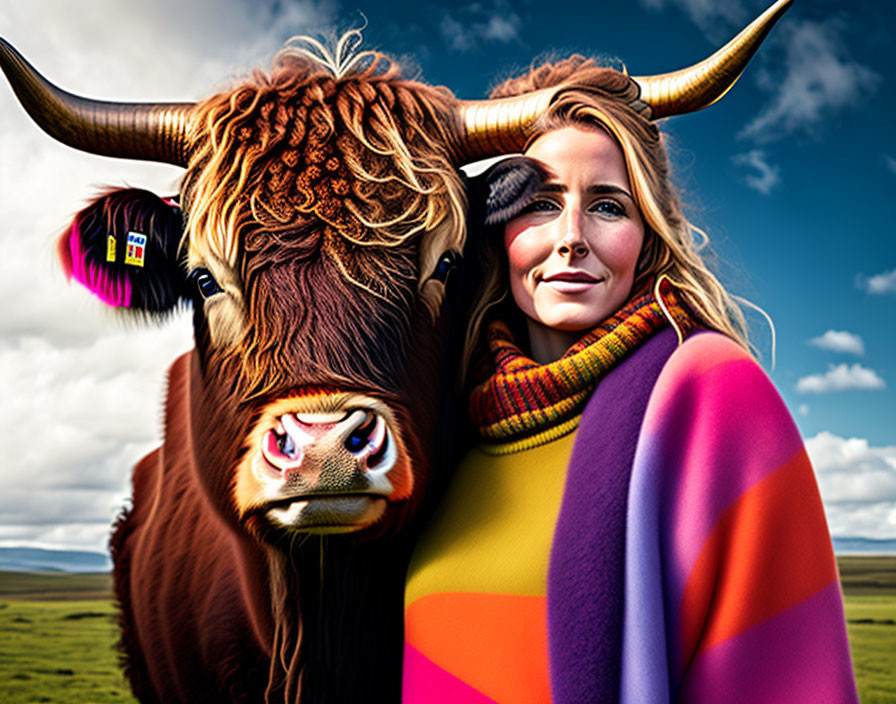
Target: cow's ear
499, 193
125, 248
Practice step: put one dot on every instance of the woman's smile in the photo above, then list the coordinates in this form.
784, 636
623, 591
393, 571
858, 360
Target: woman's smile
570, 282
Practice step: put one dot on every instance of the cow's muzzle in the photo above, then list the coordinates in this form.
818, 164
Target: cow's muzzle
362, 434
324, 464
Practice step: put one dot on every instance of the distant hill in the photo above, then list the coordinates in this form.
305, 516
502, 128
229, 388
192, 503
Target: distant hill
24, 559
40, 560
854, 546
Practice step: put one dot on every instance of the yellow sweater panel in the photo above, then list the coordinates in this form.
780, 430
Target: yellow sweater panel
492, 532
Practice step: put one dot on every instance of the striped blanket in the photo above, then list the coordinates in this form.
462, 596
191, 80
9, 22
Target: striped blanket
731, 590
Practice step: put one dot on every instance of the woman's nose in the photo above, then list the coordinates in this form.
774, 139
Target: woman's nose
572, 244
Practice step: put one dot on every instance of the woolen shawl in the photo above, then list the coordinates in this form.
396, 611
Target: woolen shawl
523, 403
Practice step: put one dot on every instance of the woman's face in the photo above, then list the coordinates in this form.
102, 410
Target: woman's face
573, 250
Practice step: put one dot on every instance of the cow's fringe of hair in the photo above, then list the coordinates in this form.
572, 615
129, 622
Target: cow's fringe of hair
368, 117
342, 59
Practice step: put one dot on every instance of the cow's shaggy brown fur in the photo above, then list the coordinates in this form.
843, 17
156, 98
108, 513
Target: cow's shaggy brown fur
339, 191
321, 205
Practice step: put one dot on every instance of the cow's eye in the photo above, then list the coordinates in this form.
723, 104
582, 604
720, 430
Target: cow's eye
206, 283
449, 261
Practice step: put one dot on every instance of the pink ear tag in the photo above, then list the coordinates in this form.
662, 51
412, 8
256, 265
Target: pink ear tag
110, 248
136, 249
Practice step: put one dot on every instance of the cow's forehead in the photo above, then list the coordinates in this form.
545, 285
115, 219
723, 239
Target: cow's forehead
367, 157
341, 169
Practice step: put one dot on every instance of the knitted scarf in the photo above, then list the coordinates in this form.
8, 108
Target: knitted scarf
523, 403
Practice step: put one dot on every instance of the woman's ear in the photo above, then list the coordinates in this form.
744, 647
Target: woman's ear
124, 247
503, 190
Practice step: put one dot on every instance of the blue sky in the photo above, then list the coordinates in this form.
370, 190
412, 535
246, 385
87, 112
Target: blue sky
792, 174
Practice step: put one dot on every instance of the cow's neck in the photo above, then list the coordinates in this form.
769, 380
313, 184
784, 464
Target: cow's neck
337, 621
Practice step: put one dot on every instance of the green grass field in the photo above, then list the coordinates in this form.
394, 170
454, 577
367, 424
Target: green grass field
869, 587
57, 634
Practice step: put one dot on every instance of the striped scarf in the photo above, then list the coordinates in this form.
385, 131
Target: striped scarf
523, 403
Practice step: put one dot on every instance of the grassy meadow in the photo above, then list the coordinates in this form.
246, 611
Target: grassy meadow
869, 588
57, 633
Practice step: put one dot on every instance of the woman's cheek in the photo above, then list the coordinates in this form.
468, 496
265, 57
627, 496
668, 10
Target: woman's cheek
524, 250
620, 253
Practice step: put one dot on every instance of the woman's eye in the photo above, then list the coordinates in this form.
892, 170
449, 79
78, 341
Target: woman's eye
540, 205
609, 208
206, 283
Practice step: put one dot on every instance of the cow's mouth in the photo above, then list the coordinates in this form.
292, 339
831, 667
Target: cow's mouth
328, 513
331, 463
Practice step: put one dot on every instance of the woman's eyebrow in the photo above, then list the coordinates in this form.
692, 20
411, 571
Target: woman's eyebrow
605, 188
596, 189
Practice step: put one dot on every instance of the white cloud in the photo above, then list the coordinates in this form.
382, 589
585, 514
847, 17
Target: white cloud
92, 537
76, 418
471, 25
766, 176
841, 378
715, 19
878, 284
502, 28
803, 409
455, 35
839, 341
890, 163
819, 78
81, 392
139, 53
857, 483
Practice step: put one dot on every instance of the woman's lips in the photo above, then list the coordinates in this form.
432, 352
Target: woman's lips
571, 282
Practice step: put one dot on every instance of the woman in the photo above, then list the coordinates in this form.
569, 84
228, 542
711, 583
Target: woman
640, 521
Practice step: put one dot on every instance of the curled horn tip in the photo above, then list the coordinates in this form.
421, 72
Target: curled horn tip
699, 86
490, 127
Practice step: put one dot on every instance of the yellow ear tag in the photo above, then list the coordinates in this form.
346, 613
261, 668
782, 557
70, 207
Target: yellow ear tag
136, 249
110, 248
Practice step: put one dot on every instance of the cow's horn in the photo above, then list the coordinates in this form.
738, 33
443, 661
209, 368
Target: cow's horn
703, 84
148, 131
490, 127
499, 126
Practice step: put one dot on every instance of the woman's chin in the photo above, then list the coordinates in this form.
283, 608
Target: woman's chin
572, 317
577, 313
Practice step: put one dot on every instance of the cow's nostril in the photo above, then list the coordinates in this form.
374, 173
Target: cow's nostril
286, 445
378, 455
360, 436
281, 450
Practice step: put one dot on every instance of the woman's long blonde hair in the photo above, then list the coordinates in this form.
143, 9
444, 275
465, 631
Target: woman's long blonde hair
671, 248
